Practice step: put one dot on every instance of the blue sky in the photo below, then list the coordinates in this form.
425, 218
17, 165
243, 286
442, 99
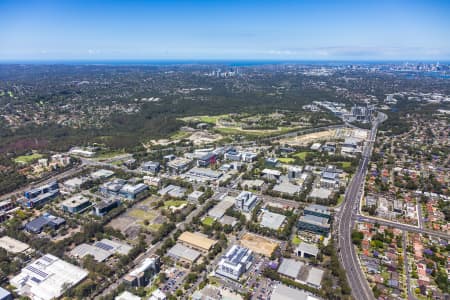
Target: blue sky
284, 30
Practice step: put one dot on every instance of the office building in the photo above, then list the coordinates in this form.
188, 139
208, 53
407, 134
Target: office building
173, 191
235, 262
134, 192
306, 250
207, 159
314, 224
246, 201
112, 187
47, 278
233, 155
317, 210
203, 174
46, 220
151, 167
141, 275
179, 165
40, 195
103, 207
5, 295
76, 204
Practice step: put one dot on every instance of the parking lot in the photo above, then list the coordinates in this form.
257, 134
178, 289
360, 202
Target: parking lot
175, 278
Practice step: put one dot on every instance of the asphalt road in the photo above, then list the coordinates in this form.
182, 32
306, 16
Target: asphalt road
345, 219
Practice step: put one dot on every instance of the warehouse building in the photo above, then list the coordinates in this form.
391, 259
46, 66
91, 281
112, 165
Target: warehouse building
203, 174
12, 245
220, 208
272, 220
283, 292
5, 295
196, 241
306, 250
183, 253
101, 174
47, 278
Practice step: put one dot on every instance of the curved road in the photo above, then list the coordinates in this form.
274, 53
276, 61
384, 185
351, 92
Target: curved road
344, 220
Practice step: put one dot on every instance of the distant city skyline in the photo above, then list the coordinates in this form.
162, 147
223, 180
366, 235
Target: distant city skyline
224, 30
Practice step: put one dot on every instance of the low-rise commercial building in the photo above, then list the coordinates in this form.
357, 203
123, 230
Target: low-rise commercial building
134, 192
283, 292
5, 295
173, 191
317, 210
76, 204
196, 241
314, 224
151, 167
103, 207
101, 174
179, 165
12, 245
272, 220
306, 250
183, 253
47, 278
38, 224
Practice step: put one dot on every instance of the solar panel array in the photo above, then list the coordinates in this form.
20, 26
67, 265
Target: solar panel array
104, 246
37, 271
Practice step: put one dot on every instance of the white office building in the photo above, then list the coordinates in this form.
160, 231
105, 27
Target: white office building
235, 262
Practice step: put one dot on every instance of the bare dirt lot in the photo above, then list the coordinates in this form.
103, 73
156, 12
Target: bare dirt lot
259, 244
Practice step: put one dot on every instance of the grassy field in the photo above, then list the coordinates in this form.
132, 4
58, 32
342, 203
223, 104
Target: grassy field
300, 155
174, 203
108, 155
179, 135
255, 132
296, 240
27, 159
204, 119
340, 200
208, 221
142, 214
286, 160
346, 164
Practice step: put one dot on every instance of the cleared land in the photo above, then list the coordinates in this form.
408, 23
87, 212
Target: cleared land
258, 244
137, 217
27, 159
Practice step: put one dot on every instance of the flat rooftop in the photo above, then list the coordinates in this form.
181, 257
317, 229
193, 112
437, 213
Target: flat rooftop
196, 240
183, 252
12, 245
272, 220
283, 292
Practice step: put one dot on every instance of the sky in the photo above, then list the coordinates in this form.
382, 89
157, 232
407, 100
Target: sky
229, 30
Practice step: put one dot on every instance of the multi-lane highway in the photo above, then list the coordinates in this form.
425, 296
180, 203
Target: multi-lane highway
345, 219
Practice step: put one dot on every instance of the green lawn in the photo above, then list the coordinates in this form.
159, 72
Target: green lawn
340, 200
296, 240
286, 160
208, 221
301, 155
174, 203
346, 164
27, 159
